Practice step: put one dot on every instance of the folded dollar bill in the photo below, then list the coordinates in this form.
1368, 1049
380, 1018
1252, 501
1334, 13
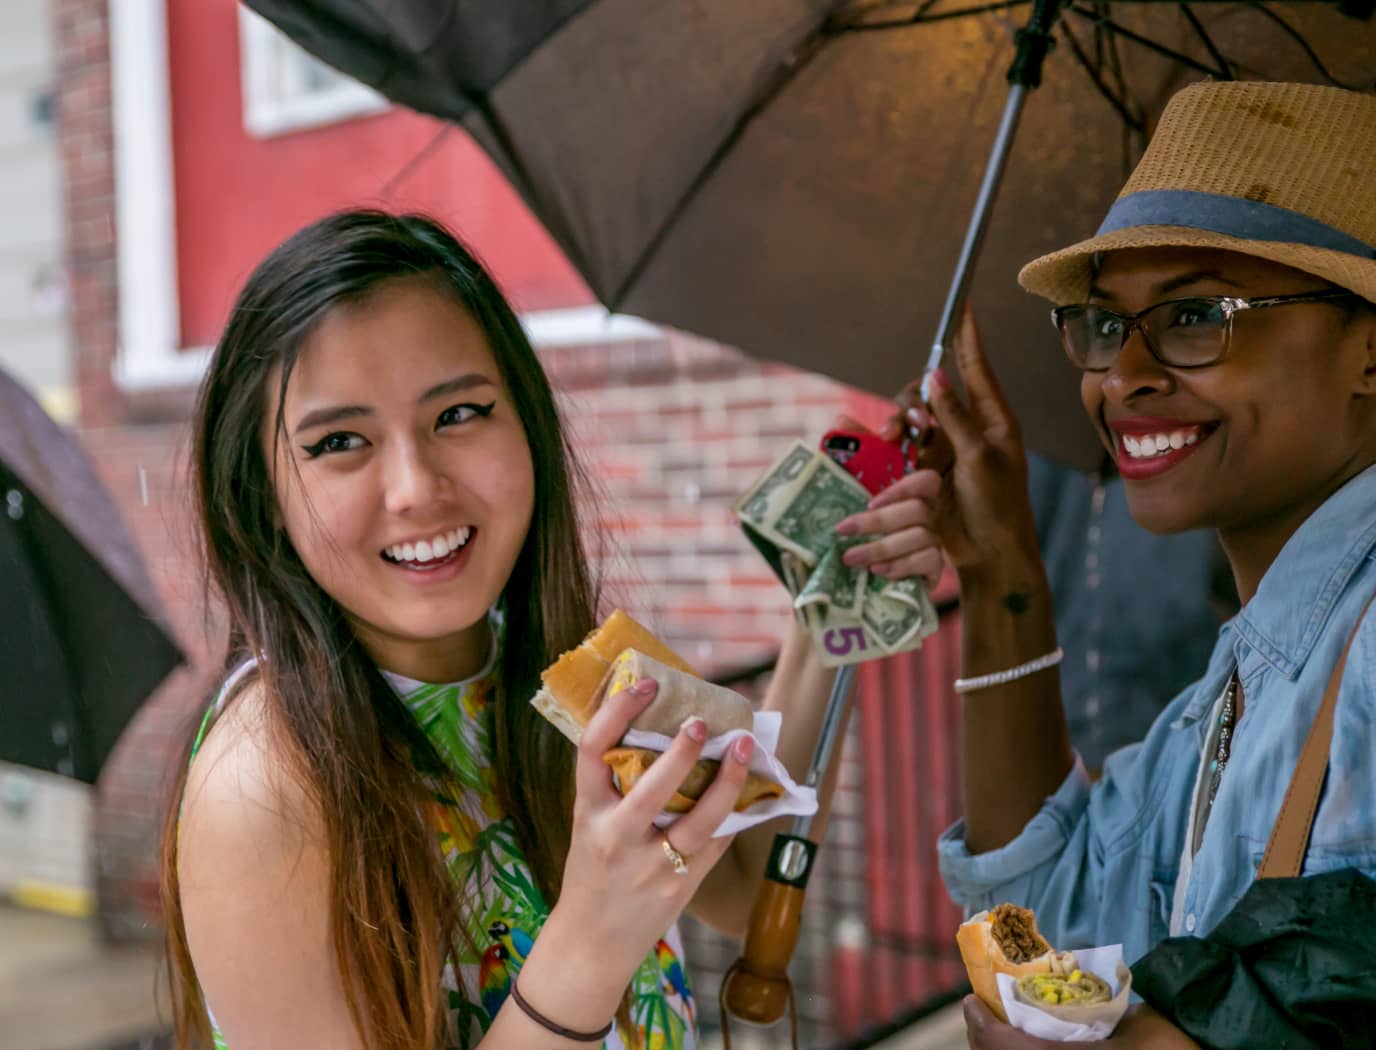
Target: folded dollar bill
790, 514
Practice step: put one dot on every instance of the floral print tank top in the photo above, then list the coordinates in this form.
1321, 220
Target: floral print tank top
506, 909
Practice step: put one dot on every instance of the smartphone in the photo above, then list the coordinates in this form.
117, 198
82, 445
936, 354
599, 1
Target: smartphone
867, 457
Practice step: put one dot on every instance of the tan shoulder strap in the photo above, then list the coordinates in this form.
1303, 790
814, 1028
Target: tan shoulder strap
1284, 855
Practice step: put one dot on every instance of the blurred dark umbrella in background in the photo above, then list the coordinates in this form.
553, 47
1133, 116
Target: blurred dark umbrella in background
82, 642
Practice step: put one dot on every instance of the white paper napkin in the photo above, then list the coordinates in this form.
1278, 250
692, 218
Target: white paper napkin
1106, 962
797, 801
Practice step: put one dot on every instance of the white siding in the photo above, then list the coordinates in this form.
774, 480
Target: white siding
35, 345
45, 830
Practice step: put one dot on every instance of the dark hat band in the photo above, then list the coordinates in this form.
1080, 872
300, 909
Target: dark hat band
1231, 216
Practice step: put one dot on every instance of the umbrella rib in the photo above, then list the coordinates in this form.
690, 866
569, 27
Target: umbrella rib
854, 15
1142, 41
1115, 58
482, 105
942, 16
789, 69
1133, 142
1225, 68
421, 155
923, 18
1298, 37
1117, 103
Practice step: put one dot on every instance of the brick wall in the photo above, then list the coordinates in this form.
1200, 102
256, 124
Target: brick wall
675, 430
86, 137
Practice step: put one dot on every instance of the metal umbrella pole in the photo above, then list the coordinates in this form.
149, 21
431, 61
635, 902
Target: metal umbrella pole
756, 988
1034, 42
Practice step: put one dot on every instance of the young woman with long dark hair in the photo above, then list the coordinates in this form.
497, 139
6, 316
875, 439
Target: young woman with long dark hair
377, 833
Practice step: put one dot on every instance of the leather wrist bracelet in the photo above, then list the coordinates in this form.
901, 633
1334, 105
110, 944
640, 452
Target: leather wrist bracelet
551, 1026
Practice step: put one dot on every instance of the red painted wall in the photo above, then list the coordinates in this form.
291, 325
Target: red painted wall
237, 196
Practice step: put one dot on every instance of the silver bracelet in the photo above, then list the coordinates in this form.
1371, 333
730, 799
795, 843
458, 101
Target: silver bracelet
984, 681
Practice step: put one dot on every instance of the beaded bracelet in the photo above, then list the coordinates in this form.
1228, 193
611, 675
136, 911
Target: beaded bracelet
550, 1026
984, 681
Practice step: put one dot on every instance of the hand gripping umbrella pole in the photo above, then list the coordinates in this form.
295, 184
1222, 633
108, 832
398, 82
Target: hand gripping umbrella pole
756, 988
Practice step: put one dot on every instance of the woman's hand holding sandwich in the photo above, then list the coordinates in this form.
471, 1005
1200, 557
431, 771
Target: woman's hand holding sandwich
621, 890
588, 676
1142, 1029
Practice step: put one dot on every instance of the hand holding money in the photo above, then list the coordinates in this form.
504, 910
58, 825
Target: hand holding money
790, 514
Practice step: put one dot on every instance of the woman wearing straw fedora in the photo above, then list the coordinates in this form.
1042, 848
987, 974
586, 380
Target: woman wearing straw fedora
1223, 323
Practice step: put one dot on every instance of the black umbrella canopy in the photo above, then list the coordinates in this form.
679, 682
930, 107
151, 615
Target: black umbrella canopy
794, 177
82, 643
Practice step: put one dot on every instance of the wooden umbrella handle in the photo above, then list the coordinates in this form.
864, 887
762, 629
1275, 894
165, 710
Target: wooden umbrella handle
756, 989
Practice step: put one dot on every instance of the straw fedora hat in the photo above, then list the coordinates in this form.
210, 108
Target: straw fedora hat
1285, 172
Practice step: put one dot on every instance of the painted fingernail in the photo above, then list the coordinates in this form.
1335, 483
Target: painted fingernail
941, 380
696, 729
742, 749
848, 527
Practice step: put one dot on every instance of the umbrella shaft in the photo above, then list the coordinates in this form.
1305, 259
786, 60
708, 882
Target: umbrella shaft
826, 740
974, 234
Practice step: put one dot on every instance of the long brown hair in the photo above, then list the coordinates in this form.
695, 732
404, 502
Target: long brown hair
363, 760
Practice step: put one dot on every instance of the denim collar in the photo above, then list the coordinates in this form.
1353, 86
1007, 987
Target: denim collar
1297, 595
1284, 619
1210, 687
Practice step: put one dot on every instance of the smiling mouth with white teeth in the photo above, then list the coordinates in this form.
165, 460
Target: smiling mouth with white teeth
432, 553
1150, 446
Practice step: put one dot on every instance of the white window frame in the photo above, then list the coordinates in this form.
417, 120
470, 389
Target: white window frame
148, 356
271, 107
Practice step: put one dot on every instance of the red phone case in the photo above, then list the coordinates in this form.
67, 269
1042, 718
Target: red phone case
867, 457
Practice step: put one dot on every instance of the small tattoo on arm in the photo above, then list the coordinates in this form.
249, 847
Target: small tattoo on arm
1016, 602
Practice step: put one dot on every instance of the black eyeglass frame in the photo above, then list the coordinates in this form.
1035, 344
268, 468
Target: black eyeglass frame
1231, 305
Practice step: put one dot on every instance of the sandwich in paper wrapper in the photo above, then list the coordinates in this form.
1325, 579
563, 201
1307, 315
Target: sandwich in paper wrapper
620, 653
1069, 997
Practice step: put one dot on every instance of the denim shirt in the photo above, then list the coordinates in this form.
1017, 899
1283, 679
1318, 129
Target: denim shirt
1099, 862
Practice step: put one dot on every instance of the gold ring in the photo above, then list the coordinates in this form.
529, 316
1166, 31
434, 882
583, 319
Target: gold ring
675, 857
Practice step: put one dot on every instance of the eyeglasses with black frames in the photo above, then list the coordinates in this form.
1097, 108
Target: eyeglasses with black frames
1179, 333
